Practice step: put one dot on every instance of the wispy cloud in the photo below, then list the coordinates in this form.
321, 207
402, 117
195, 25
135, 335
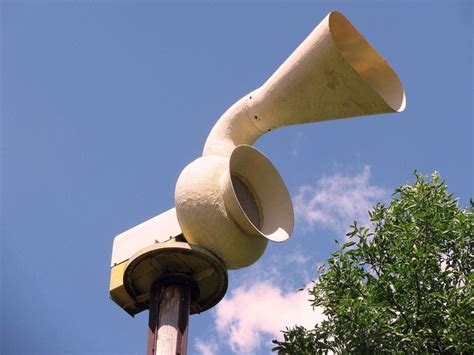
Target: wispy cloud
206, 347
276, 267
297, 257
334, 202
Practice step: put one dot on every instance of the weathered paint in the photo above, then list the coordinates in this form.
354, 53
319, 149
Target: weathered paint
206, 197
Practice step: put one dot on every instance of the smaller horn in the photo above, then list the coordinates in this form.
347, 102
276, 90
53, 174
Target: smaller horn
234, 205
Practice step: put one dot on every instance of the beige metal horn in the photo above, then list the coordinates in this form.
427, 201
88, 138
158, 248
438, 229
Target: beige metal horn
334, 73
232, 200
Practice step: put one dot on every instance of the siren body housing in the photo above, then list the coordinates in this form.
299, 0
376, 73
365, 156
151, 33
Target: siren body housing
232, 200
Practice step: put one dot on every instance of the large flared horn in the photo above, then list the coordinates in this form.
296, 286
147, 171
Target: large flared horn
334, 73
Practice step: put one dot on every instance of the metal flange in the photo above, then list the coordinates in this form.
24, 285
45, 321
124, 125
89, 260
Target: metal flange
161, 261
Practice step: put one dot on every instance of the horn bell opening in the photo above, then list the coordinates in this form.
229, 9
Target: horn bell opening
366, 61
256, 196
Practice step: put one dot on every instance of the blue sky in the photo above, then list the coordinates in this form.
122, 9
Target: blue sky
104, 103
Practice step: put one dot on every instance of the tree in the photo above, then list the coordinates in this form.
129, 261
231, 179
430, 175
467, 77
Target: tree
403, 286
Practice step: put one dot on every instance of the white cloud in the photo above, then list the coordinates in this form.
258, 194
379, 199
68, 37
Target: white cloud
297, 257
255, 314
203, 347
334, 202
289, 266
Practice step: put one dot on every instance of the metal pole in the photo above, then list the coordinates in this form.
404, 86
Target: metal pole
168, 318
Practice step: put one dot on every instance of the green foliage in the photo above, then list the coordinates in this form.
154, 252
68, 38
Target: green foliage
404, 286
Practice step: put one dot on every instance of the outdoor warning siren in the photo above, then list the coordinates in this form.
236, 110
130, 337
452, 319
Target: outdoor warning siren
232, 200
